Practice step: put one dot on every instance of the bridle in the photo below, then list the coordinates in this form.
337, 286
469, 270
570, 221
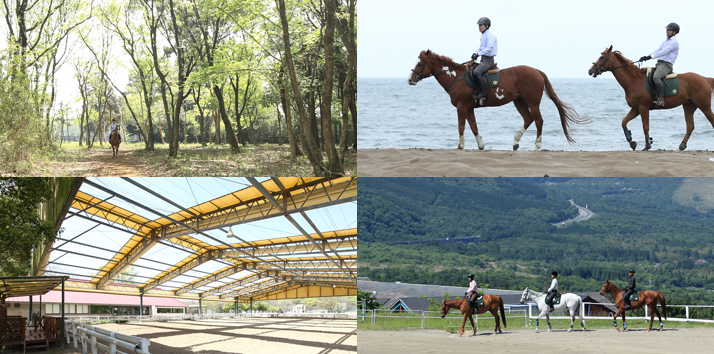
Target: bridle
420, 75
601, 69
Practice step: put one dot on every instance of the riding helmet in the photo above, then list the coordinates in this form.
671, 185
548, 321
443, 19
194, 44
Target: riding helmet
554, 273
672, 27
487, 22
631, 271
471, 276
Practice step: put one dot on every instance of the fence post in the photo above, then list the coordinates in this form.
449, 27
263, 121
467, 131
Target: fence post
74, 332
373, 311
687, 308
423, 319
112, 344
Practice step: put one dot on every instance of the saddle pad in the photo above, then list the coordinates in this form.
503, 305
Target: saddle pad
479, 302
494, 79
671, 84
634, 297
556, 300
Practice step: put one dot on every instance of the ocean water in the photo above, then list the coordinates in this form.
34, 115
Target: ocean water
392, 114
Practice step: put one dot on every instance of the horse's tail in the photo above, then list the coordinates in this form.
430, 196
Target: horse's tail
568, 115
580, 308
659, 294
503, 314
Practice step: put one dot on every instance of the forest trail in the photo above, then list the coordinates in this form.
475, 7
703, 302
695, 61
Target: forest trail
99, 162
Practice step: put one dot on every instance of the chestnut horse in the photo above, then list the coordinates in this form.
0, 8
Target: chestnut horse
521, 85
695, 92
114, 141
647, 297
491, 303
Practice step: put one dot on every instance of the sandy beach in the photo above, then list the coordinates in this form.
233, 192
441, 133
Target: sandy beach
494, 163
684, 340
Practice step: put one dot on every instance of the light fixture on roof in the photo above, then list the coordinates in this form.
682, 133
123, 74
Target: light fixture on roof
230, 233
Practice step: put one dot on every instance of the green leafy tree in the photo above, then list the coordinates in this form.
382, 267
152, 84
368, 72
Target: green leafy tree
369, 299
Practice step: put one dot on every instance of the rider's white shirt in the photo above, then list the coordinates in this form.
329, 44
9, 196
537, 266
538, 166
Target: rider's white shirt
113, 126
553, 285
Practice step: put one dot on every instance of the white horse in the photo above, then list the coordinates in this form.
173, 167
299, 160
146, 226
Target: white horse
570, 301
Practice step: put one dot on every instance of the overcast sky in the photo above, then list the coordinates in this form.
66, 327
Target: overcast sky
561, 38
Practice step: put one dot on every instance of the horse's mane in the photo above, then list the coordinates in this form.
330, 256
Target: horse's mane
441, 61
632, 69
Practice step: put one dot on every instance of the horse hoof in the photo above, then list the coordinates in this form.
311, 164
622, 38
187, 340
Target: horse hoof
633, 145
649, 329
537, 331
682, 146
515, 147
569, 329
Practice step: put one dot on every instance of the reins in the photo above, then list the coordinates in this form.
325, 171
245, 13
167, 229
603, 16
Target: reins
602, 69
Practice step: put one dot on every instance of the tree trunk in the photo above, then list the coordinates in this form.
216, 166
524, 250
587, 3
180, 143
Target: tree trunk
280, 132
335, 165
308, 141
231, 136
294, 148
348, 38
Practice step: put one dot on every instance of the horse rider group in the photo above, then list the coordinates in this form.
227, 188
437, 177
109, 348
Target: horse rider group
552, 292
666, 55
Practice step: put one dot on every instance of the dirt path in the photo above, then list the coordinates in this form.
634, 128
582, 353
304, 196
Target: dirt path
681, 340
99, 162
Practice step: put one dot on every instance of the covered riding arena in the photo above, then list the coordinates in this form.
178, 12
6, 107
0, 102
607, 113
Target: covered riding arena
199, 240
598, 341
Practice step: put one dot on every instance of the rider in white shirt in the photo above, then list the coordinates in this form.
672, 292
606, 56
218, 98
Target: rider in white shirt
473, 289
552, 290
113, 127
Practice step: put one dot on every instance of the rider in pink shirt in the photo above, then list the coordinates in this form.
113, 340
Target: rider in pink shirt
473, 289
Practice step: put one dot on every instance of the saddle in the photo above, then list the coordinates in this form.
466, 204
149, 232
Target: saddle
479, 302
556, 299
671, 84
634, 297
494, 76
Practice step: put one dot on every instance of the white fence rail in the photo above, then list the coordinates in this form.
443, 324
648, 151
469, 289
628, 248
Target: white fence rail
88, 335
419, 318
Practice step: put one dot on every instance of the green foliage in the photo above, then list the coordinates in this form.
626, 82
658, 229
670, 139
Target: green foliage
369, 300
20, 224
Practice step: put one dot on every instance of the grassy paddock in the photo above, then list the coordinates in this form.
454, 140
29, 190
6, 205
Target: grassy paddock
452, 323
192, 160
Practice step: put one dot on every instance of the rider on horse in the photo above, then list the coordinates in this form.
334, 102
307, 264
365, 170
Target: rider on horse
473, 289
487, 51
667, 54
552, 291
630, 289
113, 127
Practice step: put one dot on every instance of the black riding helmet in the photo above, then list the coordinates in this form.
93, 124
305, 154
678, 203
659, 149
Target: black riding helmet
554, 273
631, 271
487, 22
672, 27
471, 276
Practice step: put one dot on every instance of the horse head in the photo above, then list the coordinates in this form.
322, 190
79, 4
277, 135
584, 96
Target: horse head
605, 288
444, 308
421, 69
601, 65
525, 296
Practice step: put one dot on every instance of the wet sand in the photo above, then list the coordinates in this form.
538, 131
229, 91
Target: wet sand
494, 163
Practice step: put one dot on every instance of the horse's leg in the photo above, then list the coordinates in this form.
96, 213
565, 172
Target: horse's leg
461, 111
463, 324
645, 114
708, 113
651, 316
522, 108
494, 312
624, 324
632, 114
659, 317
615, 318
474, 128
535, 112
572, 318
689, 109
542, 313
471, 318
547, 318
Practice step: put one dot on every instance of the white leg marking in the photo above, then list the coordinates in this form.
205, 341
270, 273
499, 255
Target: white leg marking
518, 136
538, 142
479, 141
461, 142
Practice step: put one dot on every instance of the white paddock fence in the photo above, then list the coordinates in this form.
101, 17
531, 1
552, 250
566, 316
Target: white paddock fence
421, 319
89, 335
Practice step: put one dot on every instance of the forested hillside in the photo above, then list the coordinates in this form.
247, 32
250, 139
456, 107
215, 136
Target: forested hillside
658, 226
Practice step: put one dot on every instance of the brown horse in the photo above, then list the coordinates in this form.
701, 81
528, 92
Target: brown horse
491, 303
114, 141
647, 297
521, 85
695, 92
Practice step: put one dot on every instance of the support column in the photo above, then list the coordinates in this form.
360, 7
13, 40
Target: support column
62, 336
251, 307
199, 306
141, 304
29, 317
235, 308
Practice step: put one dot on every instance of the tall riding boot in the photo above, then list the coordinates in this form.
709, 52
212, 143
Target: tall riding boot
659, 88
483, 81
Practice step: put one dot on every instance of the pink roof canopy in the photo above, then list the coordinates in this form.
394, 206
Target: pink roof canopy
72, 297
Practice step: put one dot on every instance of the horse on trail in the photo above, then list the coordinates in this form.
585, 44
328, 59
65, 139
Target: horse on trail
570, 301
695, 92
491, 303
114, 141
647, 297
521, 85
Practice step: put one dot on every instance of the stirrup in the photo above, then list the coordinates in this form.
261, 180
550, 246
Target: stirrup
659, 101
